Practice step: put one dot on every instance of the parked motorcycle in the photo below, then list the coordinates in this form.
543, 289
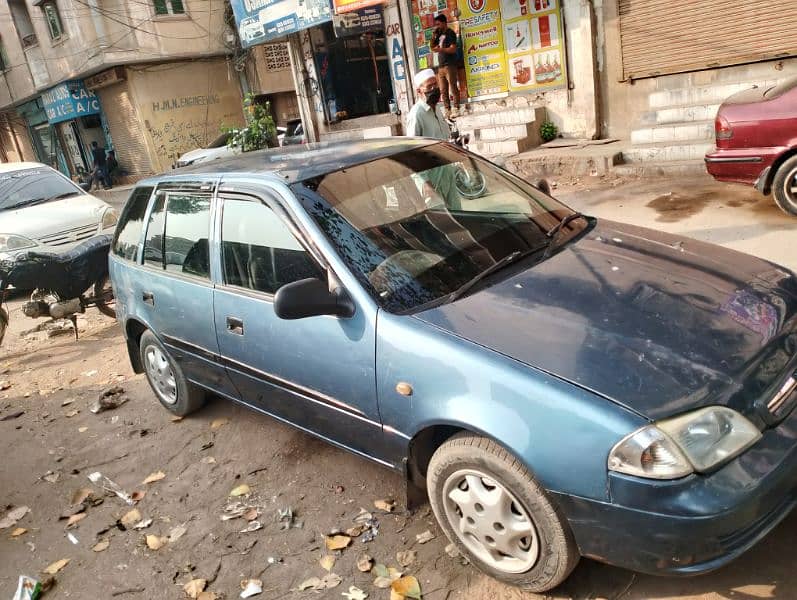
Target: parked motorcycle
470, 181
60, 282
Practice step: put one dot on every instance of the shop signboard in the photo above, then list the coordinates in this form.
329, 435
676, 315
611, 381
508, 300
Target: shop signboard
345, 6
260, 21
483, 47
359, 21
69, 100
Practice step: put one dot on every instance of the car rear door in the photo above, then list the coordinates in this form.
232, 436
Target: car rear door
316, 373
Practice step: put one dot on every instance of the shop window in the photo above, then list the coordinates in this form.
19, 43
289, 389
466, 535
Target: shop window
169, 7
53, 20
22, 22
277, 57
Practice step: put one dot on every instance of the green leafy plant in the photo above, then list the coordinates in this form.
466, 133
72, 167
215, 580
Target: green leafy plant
260, 131
548, 131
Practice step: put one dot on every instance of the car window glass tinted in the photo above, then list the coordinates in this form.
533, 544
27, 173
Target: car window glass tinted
153, 244
27, 187
185, 248
128, 232
258, 250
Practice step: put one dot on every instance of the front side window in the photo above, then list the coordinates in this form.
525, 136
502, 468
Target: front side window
169, 7
53, 20
128, 231
258, 250
417, 226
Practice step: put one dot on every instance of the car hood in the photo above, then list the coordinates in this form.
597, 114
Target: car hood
746, 97
655, 322
41, 220
206, 154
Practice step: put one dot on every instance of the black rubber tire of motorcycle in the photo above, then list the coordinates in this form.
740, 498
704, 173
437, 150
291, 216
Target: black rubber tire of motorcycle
105, 308
3, 323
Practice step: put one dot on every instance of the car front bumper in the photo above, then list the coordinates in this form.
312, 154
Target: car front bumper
695, 524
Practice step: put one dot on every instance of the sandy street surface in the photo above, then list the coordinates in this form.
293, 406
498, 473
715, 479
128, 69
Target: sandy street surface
50, 449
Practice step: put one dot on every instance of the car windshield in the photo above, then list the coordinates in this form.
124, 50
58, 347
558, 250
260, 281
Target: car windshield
219, 141
781, 88
33, 186
418, 226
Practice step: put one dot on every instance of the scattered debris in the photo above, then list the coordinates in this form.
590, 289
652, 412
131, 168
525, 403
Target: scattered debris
82, 429
67, 402
153, 477
251, 587
101, 545
155, 542
72, 539
241, 490
218, 423
365, 563
13, 516
327, 582
354, 593
176, 533
452, 551
363, 516
56, 566
106, 484
75, 519
130, 518
91, 373
357, 530
109, 399
387, 506
138, 495
405, 587
28, 588
4, 385
251, 513
337, 542
51, 477
176, 419
72, 413
208, 460
287, 519
18, 532
81, 495
143, 524
327, 562
424, 537
371, 525
195, 587
253, 526
208, 596
13, 415
406, 558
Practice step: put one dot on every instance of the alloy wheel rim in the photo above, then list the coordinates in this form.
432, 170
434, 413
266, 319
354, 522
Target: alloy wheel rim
161, 375
490, 521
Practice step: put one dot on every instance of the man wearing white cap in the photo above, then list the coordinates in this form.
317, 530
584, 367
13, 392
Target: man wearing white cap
425, 118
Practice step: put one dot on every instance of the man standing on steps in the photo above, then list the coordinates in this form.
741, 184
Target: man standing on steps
444, 42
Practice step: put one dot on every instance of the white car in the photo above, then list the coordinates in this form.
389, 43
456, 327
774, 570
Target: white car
251, 29
218, 148
42, 210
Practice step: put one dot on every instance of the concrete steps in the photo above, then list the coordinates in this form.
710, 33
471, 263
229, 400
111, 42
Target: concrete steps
667, 151
503, 133
672, 168
674, 132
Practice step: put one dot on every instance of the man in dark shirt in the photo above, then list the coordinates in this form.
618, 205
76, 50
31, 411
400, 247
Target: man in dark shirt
444, 42
100, 165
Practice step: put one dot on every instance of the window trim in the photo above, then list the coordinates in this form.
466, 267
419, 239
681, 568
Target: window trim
169, 4
62, 32
139, 254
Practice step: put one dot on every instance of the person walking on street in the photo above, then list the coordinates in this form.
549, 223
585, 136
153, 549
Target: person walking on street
444, 42
100, 165
112, 166
425, 118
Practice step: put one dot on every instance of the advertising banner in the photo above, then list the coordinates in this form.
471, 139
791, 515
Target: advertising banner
69, 100
359, 21
345, 6
483, 47
259, 21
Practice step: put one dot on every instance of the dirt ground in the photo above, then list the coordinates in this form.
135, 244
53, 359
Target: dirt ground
50, 449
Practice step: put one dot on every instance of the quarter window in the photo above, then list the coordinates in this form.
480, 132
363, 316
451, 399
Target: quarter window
259, 252
131, 223
153, 244
53, 20
169, 7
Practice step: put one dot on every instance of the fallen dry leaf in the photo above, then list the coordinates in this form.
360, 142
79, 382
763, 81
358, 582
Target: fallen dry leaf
385, 505
251, 514
208, 460
251, 587
337, 542
130, 518
380, 570
452, 551
407, 587
314, 583
82, 429
101, 545
241, 490
327, 562
394, 573
406, 558
143, 524
195, 587
365, 563
208, 596
74, 519
252, 526
13, 516
424, 537
153, 477
155, 542
56, 566
218, 423
382, 582
357, 530
138, 495
176, 419
18, 532
81, 495
331, 581
73, 413
51, 477
176, 533
354, 593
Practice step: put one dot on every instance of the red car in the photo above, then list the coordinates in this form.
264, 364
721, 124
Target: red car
756, 133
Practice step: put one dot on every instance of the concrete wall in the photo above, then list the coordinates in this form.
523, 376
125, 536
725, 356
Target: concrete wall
271, 80
184, 106
14, 138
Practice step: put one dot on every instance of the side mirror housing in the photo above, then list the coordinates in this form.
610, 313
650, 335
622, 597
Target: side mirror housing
311, 298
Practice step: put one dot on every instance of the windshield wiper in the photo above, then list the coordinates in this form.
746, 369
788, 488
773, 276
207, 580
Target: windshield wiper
64, 195
505, 261
28, 202
558, 227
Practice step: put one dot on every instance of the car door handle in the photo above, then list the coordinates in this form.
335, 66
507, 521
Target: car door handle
148, 298
235, 325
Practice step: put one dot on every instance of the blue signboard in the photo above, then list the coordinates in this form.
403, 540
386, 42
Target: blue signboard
259, 21
69, 100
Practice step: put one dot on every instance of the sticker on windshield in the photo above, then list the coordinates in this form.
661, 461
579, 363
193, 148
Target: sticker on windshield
391, 198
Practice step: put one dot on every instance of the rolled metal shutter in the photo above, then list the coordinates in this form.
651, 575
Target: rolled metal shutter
126, 132
661, 36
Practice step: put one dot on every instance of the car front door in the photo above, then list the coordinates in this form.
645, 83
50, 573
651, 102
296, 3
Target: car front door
316, 373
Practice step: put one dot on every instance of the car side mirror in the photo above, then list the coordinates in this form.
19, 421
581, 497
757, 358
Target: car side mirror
543, 186
311, 298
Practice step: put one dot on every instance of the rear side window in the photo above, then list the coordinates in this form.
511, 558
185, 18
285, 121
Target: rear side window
186, 247
131, 223
259, 252
153, 244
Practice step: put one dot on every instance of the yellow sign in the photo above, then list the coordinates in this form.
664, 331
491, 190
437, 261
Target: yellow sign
483, 47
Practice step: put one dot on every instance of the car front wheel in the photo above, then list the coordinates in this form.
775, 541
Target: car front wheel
166, 378
499, 517
784, 186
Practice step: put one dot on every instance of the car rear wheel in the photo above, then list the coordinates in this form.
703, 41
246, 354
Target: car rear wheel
499, 517
166, 378
784, 186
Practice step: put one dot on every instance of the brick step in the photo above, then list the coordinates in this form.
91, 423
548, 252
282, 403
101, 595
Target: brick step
510, 147
673, 168
680, 114
510, 116
674, 132
714, 93
666, 151
508, 132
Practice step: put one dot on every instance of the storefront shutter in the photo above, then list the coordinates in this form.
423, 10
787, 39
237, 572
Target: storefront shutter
126, 131
661, 36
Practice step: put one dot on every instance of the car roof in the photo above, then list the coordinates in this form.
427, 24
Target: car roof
298, 163
20, 166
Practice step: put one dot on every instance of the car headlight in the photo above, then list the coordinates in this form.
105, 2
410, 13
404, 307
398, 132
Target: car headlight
109, 218
695, 442
11, 241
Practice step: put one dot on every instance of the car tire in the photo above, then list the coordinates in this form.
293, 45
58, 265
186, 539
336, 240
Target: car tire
784, 186
166, 378
469, 468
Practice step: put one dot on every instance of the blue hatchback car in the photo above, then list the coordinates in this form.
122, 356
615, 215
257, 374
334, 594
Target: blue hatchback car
559, 386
